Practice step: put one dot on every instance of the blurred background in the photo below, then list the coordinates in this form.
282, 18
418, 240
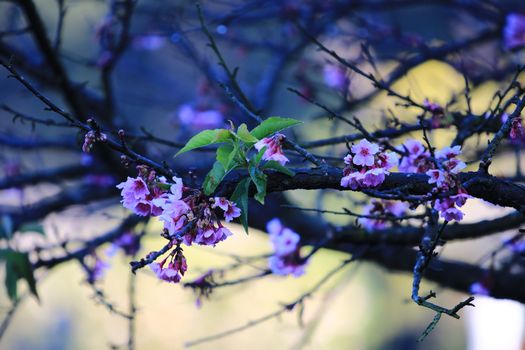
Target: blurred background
161, 88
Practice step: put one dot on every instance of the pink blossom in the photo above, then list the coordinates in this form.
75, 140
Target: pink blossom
335, 77
396, 208
516, 128
364, 153
454, 165
200, 120
414, 147
436, 176
514, 31
448, 152
90, 138
274, 226
452, 214
461, 198
353, 180
374, 177
134, 193
284, 267
177, 187
230, 209
221, 202
348, 159
387, 160
285, 242
170, 274
274, 149
211, 235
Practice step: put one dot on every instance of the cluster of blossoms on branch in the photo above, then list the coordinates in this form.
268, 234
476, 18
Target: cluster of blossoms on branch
379, 213
367, 166
442, 170
188, 216
286, 259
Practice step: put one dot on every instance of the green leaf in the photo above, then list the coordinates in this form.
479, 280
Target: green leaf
223, 154
228, 156
272, 125
272, 164
244, 134
259, 179
206, 138
256, 160
213, 178
11, 279
17, 267
240, 197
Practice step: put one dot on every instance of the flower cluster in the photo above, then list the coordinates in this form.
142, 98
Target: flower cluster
171, 271
442, 173
90, 138
378, 212
274, 148
187, 215
286, 259
514, 31
367, 165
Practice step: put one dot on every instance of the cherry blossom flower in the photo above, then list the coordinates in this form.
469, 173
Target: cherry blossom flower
283, 267
199, 119
367, 166
286, 242
274, 149
514, 31
134, 192
286, 259
230, 209
353, 180
364, 152
274, 226
381, 208
448, 152
414, 147
436, 176
335, 77
516, 129
374, 177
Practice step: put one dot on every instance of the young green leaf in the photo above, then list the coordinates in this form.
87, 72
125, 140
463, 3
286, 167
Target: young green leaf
206, 138
17, 267
244, 134
213, 178
223, 154
272, 125
240, 197
259, 179
272, 164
